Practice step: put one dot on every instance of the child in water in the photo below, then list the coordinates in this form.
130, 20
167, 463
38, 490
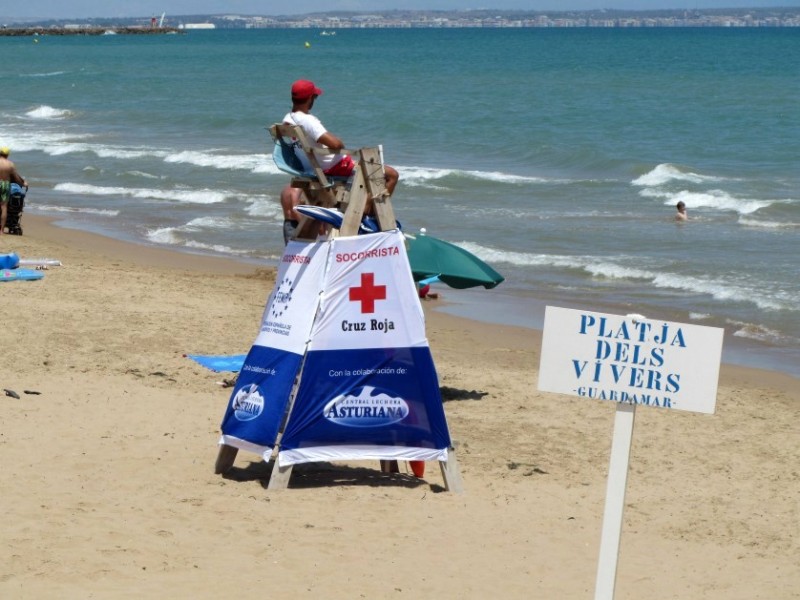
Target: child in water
681, 214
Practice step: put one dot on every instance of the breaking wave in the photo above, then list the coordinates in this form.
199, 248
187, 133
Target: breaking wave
665, 173
437, 178
205, 196
713, 199
601, 267
70, 209
175, 236
48, 112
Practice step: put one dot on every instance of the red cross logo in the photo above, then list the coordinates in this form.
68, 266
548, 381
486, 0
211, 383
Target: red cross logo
368, 293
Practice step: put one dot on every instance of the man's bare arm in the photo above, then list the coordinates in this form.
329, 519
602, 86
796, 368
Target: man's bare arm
331, 141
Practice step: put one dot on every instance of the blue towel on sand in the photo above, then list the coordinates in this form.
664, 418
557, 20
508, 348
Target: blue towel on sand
20, 274
220, 363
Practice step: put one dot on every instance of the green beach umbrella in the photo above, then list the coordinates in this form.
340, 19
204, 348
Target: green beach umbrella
432, 257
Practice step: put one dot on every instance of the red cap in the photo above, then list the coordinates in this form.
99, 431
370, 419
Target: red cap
302, 89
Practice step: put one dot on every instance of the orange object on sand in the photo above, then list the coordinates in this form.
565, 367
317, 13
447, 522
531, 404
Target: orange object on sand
418, 467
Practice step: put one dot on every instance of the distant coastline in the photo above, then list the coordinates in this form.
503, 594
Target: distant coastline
37, 31
764, 17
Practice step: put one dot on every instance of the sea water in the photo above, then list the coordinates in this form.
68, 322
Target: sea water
556, 155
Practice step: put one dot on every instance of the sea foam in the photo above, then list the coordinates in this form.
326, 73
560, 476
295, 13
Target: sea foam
664, 173
263, 206
604, 267
204, 196
215, 248
524, 259
424, 177
207, 223
244, 162
48, 112
768, 224
171, 236
724, 291
720, 200
71, 209
759, 333
713, 199
50, 74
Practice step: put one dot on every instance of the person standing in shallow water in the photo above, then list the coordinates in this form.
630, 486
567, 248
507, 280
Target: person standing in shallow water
8, 175
681, 215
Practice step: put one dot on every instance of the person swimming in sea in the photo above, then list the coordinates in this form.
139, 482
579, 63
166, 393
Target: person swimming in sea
681, 215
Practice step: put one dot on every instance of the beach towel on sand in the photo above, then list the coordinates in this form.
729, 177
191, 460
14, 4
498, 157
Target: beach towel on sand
220, 363
20, 275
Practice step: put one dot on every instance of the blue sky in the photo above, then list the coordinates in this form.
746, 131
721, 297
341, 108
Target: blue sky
62, 9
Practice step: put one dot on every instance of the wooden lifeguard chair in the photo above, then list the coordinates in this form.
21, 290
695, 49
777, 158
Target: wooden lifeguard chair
350, 196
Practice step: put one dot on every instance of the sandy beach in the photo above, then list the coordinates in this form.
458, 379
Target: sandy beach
109, 491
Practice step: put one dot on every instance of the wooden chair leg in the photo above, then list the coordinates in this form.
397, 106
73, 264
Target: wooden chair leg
451, 473
279, 480
389, 466
225, 458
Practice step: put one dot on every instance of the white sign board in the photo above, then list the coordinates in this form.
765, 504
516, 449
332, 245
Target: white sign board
630, 359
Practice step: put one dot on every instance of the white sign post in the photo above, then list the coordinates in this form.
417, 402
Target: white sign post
629, 360
615, 501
